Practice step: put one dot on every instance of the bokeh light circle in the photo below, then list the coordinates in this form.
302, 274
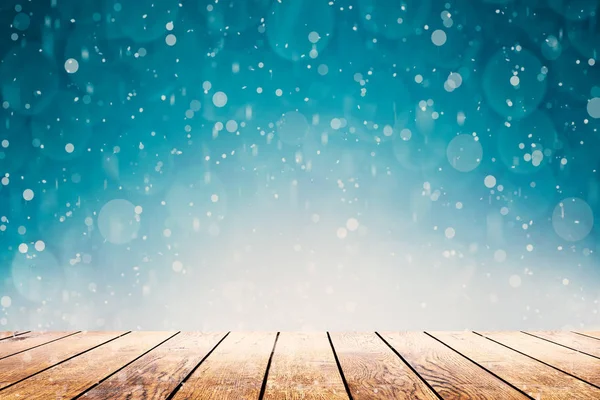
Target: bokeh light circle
232, 15
142, 20
37, 276
573, 219
118, 222
64, 129
197, 200
21, 21
143, 163
510, 97
593, 107
464, 153
420, 152
290, 23
381, 102
529, 144
574, 10
293, 128
28, 79
15, 140
394, 20
584, 36
530, 196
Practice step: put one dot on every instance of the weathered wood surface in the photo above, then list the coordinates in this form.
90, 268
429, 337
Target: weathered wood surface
234, 371
81, 373
157, 373
25, 364
536, 379
316, 365
7, 335
374, 371
582, 366
304, 367
450, 374
19, 343
591, 334
572, 340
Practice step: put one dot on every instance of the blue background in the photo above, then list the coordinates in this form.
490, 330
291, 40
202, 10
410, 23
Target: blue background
288, 165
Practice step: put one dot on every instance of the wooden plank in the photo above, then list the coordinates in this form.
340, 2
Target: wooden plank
451, 375
18, 344
235, 370
78, 374
532, 377
20, 366
158, 373
594, 335
8, 335
304, 367
374, 371
572, 340
573, 362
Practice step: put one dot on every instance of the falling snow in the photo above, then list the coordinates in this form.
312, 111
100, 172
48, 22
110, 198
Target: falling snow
281, 165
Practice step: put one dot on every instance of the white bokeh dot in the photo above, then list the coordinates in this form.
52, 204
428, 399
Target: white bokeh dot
514, 281
335, 123
23, 248
71, 66
438, 37
529, 248
352, 224
593, 107
490, 181
5, 301
231, 126
219, 99
313, 37
500, 255
28, 194
171, 39
40, 245
177, 266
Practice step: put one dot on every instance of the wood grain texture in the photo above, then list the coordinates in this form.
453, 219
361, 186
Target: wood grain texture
578, 364
8, 335
153, 365
158, 373
374, 371
234, 371
23, 365
76, 375
20, 343
450, 374
581, 343
532, 377
304, 367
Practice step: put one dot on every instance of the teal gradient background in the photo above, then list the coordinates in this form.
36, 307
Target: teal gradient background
288, 165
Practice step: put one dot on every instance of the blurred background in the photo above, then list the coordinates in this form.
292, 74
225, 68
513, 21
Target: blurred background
299, 165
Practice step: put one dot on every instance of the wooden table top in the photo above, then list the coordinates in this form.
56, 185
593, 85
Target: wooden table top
289, 365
